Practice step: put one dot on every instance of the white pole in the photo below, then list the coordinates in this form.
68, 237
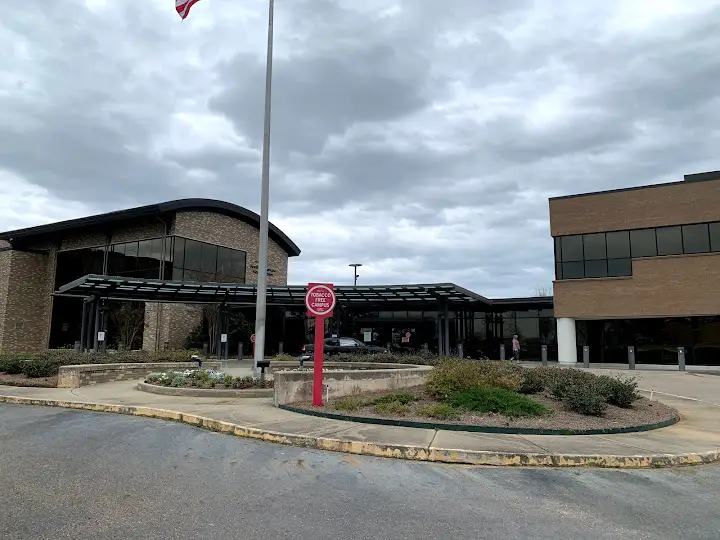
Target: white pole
261, 304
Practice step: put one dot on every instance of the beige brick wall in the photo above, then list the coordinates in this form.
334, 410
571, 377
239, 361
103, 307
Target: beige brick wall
676, 286
176, 321
657, 206
232, 233
24, 301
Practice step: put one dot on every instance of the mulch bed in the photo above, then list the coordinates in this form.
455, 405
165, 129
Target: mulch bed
643, 412
23, 380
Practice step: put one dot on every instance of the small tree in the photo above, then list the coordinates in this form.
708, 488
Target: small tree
543, 292
211, 314
129, 319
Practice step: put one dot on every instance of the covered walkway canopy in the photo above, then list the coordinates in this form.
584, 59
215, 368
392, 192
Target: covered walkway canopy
152, 290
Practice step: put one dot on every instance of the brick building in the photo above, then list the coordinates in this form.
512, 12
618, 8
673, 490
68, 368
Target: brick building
639, 267
186, 240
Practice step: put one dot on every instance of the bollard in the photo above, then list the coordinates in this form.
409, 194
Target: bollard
502, 352
281, 346
586, 356
77, 346
631, 357
240, 352
681, 358
460, 351
543, 354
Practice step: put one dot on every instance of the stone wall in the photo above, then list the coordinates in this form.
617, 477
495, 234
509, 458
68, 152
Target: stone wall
297, 386
89, 374
25, 302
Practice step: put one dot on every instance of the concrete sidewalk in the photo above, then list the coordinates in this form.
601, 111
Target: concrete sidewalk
695, 439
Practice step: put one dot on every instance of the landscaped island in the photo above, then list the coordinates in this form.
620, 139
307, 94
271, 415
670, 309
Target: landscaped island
504, 395
205, 379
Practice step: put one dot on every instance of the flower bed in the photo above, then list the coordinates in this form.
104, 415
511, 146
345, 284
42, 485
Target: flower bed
205, 379
503, 395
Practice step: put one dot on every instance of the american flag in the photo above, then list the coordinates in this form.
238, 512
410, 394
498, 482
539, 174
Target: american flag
183, 7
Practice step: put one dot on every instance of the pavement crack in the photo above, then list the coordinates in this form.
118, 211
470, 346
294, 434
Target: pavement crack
432, 440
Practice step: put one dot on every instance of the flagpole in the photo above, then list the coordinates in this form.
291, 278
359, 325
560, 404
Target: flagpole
261, 305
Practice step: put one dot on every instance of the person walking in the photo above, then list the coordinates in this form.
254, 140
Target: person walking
516, 348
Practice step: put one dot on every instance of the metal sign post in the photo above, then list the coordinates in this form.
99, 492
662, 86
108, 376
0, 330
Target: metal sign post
320, 301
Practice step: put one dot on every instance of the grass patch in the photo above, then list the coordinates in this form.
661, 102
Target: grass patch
392, 407
348, 404
454, 375
441, 411
402, 397
496, 400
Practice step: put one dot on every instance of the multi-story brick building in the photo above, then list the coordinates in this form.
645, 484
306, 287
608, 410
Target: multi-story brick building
639, 268
185, 240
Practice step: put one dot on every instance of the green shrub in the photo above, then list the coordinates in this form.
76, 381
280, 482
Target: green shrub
178, 381
453, 375
348, 404
12, 364
535, 380
559, 380
40, 367
584, 399
620, 391
392, 407
496, 400
442, 411
227, 381
402, 397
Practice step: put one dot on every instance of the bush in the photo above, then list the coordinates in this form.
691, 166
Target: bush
560, 380
442, 411
496, 400
178, 381
620, 391
12, 364
584, 399
402, 397
454, 375
535, 380
391, 407
40, 367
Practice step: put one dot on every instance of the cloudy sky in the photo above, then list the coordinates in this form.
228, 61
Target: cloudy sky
418, 137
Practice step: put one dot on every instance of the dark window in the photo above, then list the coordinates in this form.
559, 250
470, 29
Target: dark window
573, 270
131, 257
595, 269
116, 260
145, 250
642, 243
156, 249
131, 249
594, 246
572, 248
558, 249
177, 274
618, 244
715, 236
208, 262
179, 253
669, 241
238, 264
193, 255
619, 267
224, 264
558, 271
695, 238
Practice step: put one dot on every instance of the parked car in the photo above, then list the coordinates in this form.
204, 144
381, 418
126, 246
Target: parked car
341, 345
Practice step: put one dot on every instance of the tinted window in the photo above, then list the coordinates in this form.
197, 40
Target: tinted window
156, 249
572, 249
573, 270
179, 252
558, 271
131, 249
642, 243
238, 264
695, 238
596, 268
618, 244
715, 236
193, 255
224, 263
594, 246
669, 241
145, 250
558, 249
177, 274
208, 262
619, 267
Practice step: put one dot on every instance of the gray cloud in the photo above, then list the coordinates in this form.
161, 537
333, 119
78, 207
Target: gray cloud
421, 138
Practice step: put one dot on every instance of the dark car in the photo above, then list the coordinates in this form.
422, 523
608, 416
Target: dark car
341, 345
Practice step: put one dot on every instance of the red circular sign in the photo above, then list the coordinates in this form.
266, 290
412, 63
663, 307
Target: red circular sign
320, 300
252, 338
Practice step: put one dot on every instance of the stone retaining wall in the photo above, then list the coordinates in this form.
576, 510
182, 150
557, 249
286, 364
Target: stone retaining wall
297, 386
206, 392
88, 374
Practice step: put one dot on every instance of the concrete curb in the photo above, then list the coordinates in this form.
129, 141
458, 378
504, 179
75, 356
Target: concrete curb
205, 392
415, 453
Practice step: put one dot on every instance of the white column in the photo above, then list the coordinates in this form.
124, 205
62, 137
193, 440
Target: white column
566, 340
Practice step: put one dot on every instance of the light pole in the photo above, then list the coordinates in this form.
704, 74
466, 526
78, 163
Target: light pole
355, 266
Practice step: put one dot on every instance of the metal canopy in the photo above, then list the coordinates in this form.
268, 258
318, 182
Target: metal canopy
153, 290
